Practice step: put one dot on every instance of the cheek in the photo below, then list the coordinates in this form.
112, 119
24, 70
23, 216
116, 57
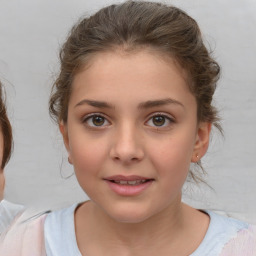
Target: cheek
172, 158
87, 155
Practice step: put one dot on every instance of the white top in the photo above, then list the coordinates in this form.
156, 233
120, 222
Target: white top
60, 238
59, 233
8, 212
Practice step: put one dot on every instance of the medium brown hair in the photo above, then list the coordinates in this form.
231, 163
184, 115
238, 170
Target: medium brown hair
6, 131
136, 25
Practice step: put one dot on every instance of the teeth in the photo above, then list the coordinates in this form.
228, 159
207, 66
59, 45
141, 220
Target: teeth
130, 182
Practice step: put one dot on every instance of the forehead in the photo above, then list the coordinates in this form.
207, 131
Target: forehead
141, 74
124, 54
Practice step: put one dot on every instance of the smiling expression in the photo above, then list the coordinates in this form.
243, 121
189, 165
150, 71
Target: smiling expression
132, 133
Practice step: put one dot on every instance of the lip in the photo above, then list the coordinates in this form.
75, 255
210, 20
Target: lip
127, 178
128, 190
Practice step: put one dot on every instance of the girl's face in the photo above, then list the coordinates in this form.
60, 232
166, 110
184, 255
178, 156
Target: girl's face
132, 133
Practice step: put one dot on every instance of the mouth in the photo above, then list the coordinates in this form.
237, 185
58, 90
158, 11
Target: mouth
128, 180
128, 185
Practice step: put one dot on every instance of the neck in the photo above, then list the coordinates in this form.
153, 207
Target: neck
131, 234
168, 227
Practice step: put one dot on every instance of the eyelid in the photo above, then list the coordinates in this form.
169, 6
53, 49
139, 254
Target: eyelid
169, 117
86, 117
94, 114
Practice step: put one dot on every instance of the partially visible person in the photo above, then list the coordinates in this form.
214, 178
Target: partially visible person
2, 179
16, 225
8, 211
5, 141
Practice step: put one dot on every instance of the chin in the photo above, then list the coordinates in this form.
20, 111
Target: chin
130, 219
131, 215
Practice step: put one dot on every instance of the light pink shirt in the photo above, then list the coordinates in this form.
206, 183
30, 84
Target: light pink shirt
24, 238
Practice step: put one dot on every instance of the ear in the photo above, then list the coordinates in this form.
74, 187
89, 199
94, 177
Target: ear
202, 141
64, 131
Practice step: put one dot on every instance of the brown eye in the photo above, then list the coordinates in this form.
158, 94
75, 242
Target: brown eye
158, 120
96, 121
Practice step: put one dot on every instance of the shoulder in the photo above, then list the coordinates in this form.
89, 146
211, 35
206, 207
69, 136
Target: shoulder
225, 226
8, 212
59, 221
221, 232
59, 232
242, 243
24, 236
56, 217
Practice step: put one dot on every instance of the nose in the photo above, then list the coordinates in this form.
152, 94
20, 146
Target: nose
127, 145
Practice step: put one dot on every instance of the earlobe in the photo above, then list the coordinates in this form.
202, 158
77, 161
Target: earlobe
202, 141
64, 132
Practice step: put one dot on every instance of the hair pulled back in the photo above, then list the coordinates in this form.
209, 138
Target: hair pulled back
131, 26
6, 131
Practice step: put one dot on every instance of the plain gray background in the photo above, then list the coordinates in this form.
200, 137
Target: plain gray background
31, 32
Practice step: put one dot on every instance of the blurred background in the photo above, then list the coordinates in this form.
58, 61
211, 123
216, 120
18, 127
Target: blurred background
38, 175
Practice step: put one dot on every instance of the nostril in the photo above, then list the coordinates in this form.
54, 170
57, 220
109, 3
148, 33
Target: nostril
126, 153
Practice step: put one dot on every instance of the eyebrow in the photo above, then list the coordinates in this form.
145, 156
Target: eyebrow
161, 102
94, 103
143, 105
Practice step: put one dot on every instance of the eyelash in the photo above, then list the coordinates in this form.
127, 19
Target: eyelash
89, 118
166, 117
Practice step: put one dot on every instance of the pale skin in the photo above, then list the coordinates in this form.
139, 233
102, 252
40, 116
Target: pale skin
133, 114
